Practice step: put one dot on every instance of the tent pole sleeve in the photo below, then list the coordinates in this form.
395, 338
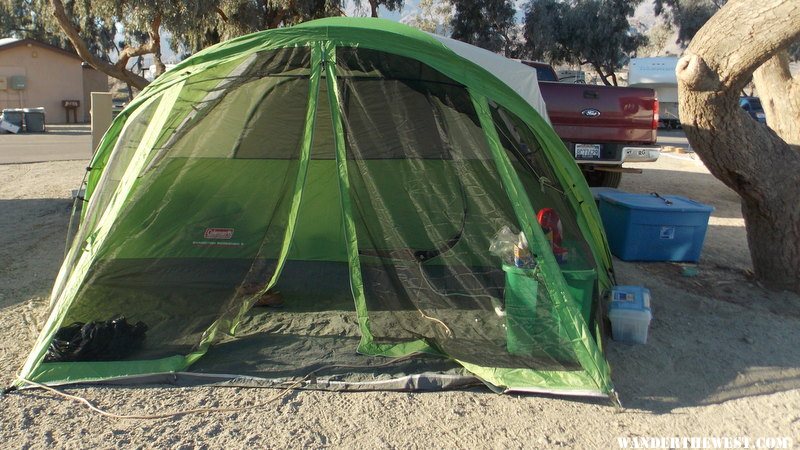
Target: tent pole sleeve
367, 345
577, 330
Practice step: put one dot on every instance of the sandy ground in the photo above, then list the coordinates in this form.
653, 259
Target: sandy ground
722, 360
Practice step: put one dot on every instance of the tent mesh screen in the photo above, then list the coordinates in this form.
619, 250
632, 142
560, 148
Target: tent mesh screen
202, 228
203, 224
427, 200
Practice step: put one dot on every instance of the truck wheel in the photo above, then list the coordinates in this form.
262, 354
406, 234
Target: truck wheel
601, 178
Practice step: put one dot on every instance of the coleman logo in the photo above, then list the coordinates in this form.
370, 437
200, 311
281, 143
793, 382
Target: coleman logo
218, 233
590, 112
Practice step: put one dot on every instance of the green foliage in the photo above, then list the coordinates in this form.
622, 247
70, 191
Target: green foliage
485, 23
594, 32
219, 20
433, 16
658, 38
23, 19
391, 5
688, 15
187, 21
544, 22
33, 19
193, 25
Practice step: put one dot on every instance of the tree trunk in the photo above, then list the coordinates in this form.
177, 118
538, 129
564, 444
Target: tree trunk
117, 71
747, 156
780, 97
603, 76
373, 5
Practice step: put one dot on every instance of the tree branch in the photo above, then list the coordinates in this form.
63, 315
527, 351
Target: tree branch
710, 77
693, 70
152, 46
769, 25
603, 76
780, 94
274, 17
74, 37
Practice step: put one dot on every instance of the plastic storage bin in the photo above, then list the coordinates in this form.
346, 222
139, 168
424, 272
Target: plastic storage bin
34, 120
642, 227
630, 314
596, 191
521, 291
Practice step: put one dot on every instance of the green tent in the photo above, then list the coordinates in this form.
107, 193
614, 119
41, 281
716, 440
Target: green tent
361, 168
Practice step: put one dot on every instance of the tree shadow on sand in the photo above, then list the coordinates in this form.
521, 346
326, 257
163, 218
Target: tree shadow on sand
32, 244
702, 350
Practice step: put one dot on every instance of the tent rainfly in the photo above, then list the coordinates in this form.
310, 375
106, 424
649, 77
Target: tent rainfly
356, 171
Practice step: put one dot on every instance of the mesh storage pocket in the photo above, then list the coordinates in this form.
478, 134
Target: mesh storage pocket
520, 298
581, 284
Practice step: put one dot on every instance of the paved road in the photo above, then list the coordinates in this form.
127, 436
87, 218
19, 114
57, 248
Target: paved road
674, 138
59, 143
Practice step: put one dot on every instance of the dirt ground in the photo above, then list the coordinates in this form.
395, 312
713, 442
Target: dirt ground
722, 358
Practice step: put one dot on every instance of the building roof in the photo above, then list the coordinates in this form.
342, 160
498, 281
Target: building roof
8, 43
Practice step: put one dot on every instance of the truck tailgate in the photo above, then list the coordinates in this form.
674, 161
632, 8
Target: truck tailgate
583, 113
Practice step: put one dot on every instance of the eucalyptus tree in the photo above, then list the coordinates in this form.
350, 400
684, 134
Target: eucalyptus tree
192, 25
485, 23
593, 32
747, 39
32, 19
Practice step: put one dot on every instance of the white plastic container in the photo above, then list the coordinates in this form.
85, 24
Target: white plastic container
630, 314
8, 126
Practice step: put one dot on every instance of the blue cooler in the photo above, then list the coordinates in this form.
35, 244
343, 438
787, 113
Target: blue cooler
630, 314
651, 227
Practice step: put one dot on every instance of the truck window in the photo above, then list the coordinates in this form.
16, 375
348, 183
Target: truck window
545, 74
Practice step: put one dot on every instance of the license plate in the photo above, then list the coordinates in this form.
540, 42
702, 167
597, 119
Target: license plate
587, 151
640, 152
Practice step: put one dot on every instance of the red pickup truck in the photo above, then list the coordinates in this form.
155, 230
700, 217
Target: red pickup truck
603, 127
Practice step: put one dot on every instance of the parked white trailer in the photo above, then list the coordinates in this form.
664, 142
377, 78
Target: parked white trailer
658, 74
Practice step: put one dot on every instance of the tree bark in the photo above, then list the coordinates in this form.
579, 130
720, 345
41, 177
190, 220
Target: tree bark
747, 156
373, 5
780, 97
112, 70
275, 18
